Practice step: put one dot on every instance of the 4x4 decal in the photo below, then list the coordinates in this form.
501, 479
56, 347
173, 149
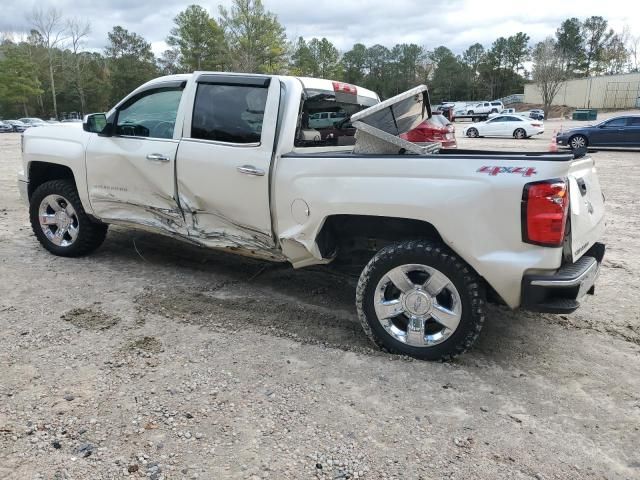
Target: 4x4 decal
493, 171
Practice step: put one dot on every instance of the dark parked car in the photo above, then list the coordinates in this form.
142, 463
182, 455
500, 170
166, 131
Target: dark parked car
17, 125
447, 112
536, 114
614, 132
5, 127
33, 122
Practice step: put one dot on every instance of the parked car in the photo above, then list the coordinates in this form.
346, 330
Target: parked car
72, 120
253, 188
535, 114
33, 122
623, 131
320, 120
515, 126
5, 127
17, 125
435, 129
506, 111
447, 112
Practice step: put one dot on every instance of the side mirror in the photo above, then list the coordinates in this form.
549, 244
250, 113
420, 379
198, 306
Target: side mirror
96, 123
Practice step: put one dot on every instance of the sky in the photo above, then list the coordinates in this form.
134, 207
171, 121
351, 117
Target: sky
428, 23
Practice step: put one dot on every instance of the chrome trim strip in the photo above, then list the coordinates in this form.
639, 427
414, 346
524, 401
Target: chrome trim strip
573, 282
217, 142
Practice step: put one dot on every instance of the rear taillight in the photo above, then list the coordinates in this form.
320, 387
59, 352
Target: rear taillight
345, 88
544, 212
536, 125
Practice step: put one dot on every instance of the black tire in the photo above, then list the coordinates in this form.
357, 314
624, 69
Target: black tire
436, 255
520, 133
472, 133
470, 112
90, 233
578, 142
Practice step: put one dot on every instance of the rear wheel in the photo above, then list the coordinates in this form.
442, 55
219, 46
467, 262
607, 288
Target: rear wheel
418, 298
60, 222
578, 142
472, 133
470, 112
520, 133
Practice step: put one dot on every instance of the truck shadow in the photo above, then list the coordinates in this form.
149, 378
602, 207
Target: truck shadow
229, 293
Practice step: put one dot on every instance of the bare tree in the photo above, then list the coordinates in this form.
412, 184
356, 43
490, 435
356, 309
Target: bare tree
632, 43
78, 30
548, 71
53, 31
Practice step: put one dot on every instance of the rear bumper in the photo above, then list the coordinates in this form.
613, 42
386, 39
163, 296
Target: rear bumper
562, 291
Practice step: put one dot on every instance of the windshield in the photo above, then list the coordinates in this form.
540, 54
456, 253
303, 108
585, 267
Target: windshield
324, 119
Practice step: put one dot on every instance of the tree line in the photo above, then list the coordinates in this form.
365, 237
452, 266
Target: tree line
48, 71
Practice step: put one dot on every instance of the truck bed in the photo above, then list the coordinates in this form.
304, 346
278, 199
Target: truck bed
450, 153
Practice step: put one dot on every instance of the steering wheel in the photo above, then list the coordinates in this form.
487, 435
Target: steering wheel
163, 130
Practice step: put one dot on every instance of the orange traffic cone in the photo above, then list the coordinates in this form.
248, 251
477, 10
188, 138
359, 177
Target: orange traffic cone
553, 146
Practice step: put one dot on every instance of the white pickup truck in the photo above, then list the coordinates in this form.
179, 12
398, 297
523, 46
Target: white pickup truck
227, 161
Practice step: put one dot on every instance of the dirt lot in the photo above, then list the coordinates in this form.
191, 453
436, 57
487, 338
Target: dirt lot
155, 359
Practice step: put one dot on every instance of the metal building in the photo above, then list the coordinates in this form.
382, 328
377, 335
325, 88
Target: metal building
607, 91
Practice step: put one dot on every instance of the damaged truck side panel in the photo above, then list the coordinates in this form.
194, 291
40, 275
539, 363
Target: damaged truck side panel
244, 163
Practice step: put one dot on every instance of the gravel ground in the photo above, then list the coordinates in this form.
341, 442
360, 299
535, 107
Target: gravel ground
155, 359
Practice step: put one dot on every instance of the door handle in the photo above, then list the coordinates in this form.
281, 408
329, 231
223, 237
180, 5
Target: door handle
251, 170
157, 157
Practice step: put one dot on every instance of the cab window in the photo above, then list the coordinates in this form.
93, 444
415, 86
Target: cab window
324, 119
229, 113
151, 113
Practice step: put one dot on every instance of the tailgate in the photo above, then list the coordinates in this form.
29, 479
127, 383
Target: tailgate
586, 204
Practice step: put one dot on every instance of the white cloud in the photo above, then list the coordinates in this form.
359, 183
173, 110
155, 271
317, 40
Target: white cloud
453, 23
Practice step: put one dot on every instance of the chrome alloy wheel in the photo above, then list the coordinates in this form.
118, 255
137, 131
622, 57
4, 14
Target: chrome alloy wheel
578, 142
58, 220
418, 305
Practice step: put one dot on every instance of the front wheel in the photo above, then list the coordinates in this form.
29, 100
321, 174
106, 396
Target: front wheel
418, 298
578, 142
60, 222
472, 133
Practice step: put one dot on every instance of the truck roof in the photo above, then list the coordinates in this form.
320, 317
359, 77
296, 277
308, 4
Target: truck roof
307, 82
323, 84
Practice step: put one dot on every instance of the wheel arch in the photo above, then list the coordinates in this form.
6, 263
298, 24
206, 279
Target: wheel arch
342, 230
345, 236
41, 172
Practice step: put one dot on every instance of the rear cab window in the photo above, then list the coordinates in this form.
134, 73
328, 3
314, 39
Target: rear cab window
229, 113
325, 112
